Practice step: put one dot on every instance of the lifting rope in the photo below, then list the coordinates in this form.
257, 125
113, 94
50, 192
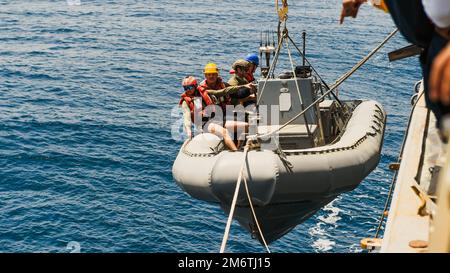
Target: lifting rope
337, 83
315, 72
254, 216
272, 67
308, 130
233, 204
282, 13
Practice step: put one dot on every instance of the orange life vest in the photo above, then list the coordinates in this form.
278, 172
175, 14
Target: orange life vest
249, 76
223, 101
206, 100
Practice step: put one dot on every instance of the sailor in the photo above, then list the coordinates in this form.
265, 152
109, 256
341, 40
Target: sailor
439, 13
191, 105
218, 89
220, 92
253, 61
245, 95
417, 28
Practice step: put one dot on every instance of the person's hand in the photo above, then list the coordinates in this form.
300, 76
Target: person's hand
440, 77
189, 134
251, 87
350, 8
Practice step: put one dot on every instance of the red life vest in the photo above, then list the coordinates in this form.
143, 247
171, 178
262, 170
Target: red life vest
206, 100
223, 101
249, 76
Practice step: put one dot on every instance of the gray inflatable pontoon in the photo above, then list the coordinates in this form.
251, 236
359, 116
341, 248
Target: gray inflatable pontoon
308, 164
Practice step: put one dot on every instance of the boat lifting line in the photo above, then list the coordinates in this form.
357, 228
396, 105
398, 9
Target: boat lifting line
338, 82
233, 205
285, 37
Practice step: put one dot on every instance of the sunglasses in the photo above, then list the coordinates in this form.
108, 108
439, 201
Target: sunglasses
189, 87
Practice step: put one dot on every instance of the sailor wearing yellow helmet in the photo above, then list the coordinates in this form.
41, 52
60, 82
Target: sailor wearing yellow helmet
214, 82
217, 88
220, 93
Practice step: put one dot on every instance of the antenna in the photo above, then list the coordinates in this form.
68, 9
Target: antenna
266, 48
273, 42
260, 50
304, 47
261, 39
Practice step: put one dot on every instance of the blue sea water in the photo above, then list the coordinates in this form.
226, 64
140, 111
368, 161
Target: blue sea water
86, 95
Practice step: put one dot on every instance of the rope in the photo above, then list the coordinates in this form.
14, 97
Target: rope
279, 50
296, 85
233, 205
337, 83
284, 159
315, 72
394, 178
270, 68
363, 61
254, 216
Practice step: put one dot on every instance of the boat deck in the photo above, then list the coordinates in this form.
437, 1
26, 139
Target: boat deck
408, 225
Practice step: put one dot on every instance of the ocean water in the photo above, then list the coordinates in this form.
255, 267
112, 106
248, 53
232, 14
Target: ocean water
87, 90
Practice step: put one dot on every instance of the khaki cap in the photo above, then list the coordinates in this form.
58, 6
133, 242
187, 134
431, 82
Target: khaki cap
240, 63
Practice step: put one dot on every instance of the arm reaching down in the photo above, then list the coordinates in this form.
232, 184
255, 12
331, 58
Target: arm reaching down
187, 123
440, 77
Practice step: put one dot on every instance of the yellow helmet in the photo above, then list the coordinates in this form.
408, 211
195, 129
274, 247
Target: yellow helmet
211, 68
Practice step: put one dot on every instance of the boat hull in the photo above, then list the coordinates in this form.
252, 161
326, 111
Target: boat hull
285, 189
